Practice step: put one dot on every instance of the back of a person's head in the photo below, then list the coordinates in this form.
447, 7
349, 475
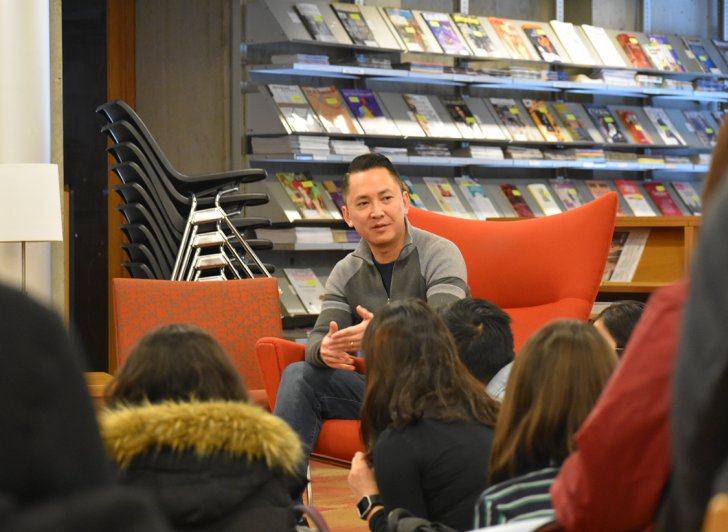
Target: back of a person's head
482, 332
556, 379
177, 363
413, 371
619, 320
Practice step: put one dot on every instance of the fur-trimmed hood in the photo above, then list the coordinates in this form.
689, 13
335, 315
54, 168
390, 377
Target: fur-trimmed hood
234, 428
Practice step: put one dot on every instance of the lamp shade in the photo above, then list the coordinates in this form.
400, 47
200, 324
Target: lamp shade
30, 203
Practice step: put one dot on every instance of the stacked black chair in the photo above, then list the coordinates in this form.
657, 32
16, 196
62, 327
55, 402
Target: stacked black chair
177, 226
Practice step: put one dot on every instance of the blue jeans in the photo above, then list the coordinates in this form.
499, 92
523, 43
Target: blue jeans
309, 394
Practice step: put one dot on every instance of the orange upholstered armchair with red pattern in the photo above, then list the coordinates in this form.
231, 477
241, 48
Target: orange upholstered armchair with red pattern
237, 313
538, 269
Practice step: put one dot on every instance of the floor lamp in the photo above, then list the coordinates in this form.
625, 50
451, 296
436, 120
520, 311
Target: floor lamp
30, 206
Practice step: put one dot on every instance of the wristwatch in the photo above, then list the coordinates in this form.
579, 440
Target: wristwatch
367, 503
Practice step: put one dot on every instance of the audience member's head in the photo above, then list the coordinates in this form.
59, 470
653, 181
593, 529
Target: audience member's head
483, 336
413, 372
177, 363
556, 379
617, 321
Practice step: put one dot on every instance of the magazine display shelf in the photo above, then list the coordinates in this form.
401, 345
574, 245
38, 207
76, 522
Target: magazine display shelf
668, 251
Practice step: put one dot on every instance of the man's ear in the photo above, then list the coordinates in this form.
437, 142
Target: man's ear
347, 218
406, 201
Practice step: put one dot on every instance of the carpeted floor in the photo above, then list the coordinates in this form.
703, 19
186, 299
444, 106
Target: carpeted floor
333, 498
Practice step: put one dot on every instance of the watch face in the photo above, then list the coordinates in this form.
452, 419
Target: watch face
366, 504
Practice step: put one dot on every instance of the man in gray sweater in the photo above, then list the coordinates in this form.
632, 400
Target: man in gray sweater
392, 261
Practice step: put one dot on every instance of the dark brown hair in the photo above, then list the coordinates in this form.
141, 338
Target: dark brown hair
718, 167
556, 379
620, 319
367, 161
176, 363
413, 372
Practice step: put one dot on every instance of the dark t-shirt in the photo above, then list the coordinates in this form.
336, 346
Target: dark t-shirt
385, 271
434, 469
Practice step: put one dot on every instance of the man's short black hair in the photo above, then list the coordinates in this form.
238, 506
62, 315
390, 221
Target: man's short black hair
482, 332
367, 161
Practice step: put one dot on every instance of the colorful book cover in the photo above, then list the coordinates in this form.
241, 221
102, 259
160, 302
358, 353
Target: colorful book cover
475, 35
571, 122
698, 124
632, 194
365, 107
543, 197
334, 188
572, 43
314, 21
600, 188
512, 39
634, 52
332, 110
542, 43
427, 117
295, 109
629, 253
661, 198
657, 56
544, 121
632, 124
446, 33
700, 53
689, 196
475, 195
445, 196
605, 122
664, 126
674, 63
603, 45
307, 286
462, 116
566, 191
509, 115
413, 195
619, 238
407, 28
355, 24
517, 201
305, 195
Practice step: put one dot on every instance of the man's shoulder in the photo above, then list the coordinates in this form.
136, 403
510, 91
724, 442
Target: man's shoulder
422, 239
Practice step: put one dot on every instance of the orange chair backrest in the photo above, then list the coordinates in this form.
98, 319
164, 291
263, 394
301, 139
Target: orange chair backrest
537, 269
236, 313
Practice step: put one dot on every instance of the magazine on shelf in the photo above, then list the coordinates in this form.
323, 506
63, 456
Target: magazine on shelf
476, 36
446, 33
542, 195
569, 115
365, 107
722, 49
355, 24
664, 126
314, 22
307, 286
542, 42
671, 58
689, 196
305, 194
489, 124
291, 304
545, 122
445, 196
517, 201
566, 191
697, 50
578, 52
332, 110
599, 188
464, 119
408, 29
295, 109
402, 116
605, 121
633, 50
474, 192
660, 196
430, 121
632, 194
509, 114
513, 39
413, 195
698, 123
625, 253
634, 127
334, 188
603, 45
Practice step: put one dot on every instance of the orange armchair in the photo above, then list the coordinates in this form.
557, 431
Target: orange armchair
339, 439
236, 313
537, 269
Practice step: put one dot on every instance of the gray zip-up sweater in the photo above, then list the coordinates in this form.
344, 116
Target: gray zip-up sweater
429, 267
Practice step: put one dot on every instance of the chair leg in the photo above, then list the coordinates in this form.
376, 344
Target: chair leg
309, 486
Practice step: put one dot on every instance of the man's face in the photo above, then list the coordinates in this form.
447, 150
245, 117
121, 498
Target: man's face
376, 207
